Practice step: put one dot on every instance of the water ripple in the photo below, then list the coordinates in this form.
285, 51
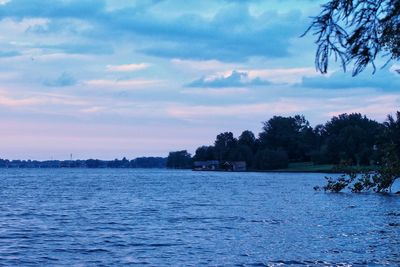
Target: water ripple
181, 218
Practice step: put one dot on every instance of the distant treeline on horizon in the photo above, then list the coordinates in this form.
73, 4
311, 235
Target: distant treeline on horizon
141, 162
348, 139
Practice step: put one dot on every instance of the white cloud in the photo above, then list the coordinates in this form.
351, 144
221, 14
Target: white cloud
282, 75
3, 2
15, 102
216, 92
203, 65
127, 67
38, 100
19, 27
289, 76
123, 84
92, 110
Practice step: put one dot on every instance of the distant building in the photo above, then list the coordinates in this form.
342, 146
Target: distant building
214, 165
235, 166
209, 165
239, 166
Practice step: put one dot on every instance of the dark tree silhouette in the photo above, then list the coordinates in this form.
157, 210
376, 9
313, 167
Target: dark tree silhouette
224, 144
290, 134
351, 138
247, 138
204, 153
381, 179
267, 159
356, 32
179, 160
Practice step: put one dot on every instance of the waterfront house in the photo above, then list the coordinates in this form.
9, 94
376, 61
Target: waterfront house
209, 165
215, 165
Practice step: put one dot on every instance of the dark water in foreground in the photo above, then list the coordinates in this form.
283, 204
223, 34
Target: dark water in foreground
67, 217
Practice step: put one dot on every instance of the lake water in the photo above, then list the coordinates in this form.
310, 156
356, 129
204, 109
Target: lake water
82, 217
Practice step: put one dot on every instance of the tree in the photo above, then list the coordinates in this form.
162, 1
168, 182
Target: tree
246, 147
93, 163
392, 135
287, 133
224, 144
148, 162
268, 159
356, 31
204, 153
351, 138
179, 160
247, 138
379, 180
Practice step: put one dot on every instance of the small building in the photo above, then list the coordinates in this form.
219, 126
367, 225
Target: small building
215, 165
209, 165
239, 166
235, 166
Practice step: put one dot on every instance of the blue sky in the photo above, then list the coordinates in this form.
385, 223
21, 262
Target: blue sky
113, 78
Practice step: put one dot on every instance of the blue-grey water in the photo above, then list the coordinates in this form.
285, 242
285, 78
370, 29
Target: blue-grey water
82, 217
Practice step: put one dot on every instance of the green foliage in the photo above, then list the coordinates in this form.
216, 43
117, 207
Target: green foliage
224, 145
268, 159
93, 163
291, 134
247, 139
356, 31
179, 160
350, 140
382, 179
340, 183
204, 153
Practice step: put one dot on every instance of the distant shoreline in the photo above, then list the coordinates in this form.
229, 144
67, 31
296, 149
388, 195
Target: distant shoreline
164, 168
273, 171
141, 162
306, 167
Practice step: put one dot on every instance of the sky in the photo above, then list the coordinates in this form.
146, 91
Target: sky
113, 78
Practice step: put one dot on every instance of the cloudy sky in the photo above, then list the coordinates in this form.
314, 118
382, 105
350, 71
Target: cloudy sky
114, 78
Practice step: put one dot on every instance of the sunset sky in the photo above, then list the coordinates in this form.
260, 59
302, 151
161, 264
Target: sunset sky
107, 79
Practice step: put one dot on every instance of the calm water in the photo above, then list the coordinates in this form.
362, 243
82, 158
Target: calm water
181, 218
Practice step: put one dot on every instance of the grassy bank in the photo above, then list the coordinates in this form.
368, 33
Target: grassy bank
323, 168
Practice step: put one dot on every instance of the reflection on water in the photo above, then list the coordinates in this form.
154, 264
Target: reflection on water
84, 217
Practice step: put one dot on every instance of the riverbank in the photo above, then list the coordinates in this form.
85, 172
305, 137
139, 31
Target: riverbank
309, 167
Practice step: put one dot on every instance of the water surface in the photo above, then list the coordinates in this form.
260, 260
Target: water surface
82, 217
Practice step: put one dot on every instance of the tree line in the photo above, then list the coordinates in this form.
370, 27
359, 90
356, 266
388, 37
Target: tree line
351, 139
141, 162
